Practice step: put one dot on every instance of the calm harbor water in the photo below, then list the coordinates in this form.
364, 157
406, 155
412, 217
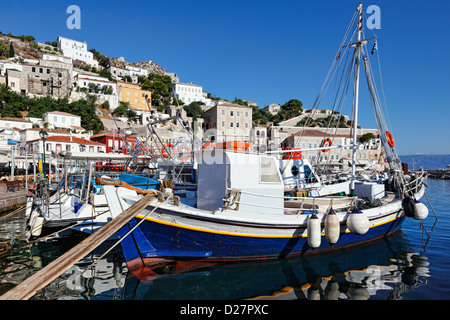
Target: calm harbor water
412, 264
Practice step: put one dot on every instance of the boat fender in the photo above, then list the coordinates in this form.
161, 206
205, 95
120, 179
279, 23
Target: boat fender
421, 211
357, 222
409, 207
314, 231
36, 228
331, 291
332, 227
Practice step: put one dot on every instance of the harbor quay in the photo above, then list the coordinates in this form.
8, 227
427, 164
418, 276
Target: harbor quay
11, 200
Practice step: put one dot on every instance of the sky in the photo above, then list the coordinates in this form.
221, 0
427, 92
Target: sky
270, 51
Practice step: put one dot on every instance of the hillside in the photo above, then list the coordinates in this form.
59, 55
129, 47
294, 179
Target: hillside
26, 47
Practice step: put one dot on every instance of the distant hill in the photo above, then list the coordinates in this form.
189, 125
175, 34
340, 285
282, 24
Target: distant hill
427, 162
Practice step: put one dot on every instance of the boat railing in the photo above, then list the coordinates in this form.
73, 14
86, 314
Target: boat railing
415, 184
320, 204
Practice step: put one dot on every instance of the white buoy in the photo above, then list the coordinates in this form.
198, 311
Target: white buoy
421, 211
332, 227
33, 217
331, 291
314, 231
357, 222
36, 227
29, 206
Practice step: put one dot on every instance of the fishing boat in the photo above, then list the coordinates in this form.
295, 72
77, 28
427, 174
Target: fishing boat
242, 211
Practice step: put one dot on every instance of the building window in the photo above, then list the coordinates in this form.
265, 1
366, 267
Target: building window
55, 118
231, 124
48, 147
237, 113
223, 112
237, 124
48, 71
33, 69
67, 147
41, 70
231, 113
223, 123
246, 114
246, 125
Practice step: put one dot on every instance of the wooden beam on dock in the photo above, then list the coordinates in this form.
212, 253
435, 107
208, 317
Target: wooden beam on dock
26, 289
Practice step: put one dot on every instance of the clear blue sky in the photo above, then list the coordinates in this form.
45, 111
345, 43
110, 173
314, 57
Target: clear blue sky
269, 51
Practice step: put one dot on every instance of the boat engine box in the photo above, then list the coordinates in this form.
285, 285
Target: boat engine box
370, 190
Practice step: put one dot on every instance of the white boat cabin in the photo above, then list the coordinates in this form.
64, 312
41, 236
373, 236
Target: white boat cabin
256, 176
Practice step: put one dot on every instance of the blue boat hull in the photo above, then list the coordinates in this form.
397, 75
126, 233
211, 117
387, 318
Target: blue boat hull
153, 241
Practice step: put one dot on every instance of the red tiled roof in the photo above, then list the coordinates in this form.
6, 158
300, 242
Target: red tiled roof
68, 140
15, 119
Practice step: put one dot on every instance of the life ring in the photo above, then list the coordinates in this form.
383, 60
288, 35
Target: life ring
164, 153
182, 153
324, 141
390, 139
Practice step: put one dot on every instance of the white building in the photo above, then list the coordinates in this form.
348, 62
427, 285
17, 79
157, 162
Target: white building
76, 50
119, 73
10, 122
8, 134
63, 120
135, 71
273, 108
6, 64
57, 144
82, 80
188, 92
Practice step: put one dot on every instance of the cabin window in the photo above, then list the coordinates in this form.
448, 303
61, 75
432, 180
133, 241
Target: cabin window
268, 171
294, 170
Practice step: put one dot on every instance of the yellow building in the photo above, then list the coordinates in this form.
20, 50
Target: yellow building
132, 93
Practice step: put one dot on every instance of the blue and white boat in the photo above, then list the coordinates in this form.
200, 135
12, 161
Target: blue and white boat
242, 212
241, 215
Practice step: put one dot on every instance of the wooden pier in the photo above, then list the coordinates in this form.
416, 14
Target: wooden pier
26, 289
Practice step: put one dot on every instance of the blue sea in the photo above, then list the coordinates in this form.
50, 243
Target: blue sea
412, 264
426, 162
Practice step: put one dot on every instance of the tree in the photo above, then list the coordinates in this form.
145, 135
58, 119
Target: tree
11, 50
293, 108
366, 137
3, 49
240, 102
101, 58
194, 110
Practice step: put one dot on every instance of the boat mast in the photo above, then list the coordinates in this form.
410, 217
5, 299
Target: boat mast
356, 93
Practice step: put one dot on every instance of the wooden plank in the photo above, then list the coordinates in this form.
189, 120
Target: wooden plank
43, 277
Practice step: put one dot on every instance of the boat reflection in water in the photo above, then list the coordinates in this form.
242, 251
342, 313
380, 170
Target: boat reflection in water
380, 270
383, 269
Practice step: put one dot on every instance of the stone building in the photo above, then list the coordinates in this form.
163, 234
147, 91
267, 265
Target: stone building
40, 80
228, 121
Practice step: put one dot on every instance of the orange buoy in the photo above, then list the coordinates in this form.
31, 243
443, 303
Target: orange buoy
325, 141
390, 139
